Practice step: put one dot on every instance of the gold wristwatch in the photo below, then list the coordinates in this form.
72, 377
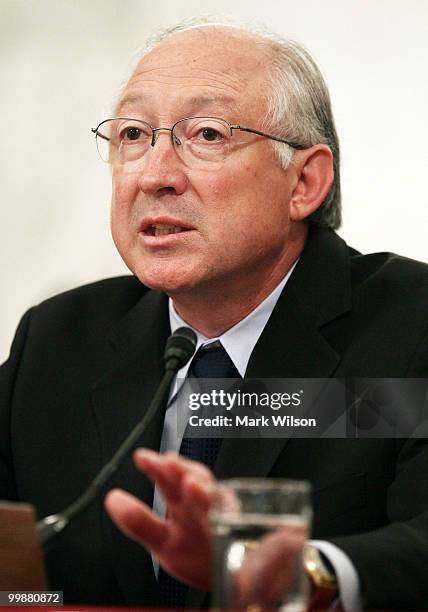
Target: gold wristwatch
321, 578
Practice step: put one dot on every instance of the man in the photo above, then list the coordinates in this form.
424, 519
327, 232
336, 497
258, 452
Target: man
225, 197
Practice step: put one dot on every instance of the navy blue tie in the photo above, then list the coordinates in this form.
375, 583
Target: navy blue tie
210, 361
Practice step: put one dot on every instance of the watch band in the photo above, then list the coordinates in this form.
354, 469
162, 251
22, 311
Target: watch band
321, 578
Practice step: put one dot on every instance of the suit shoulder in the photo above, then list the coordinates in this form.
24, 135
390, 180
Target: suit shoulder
389, 270
117, 292
96, 305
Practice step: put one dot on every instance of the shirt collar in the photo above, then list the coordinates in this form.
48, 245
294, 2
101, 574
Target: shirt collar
239, 341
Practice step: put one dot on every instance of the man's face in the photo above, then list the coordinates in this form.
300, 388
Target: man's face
236, 217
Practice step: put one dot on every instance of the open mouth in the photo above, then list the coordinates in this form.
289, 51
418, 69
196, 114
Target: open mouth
164, 230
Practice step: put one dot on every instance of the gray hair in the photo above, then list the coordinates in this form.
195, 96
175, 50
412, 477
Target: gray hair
298, 103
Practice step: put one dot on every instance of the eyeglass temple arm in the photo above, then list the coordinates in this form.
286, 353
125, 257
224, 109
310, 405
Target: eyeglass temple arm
294, 145
97, 133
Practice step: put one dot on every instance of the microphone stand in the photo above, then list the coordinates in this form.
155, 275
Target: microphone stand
180, 348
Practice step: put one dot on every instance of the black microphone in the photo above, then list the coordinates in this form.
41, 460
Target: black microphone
180, 347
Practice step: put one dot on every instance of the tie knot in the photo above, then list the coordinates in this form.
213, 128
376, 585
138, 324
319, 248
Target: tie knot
212, 361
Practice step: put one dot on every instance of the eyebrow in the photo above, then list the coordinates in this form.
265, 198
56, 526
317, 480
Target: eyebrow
198, 102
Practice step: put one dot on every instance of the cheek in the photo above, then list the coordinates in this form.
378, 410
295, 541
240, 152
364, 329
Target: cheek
229, 192
124, 190
215, 189
123, 195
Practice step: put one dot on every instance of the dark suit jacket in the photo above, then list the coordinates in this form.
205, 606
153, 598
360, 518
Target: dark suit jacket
85, 364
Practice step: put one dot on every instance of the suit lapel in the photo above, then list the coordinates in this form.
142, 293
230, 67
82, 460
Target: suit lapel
292, 346
127, 389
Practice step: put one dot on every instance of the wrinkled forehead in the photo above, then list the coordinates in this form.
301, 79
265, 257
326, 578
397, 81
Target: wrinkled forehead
203, 64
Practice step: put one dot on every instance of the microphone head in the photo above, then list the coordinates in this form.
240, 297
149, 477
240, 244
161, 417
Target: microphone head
180, 347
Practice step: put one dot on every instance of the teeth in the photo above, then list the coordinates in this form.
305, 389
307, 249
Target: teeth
163, 230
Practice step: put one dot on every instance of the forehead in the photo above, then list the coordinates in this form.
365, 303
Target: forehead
201, 69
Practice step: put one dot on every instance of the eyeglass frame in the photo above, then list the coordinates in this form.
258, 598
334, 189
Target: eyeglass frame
236, 126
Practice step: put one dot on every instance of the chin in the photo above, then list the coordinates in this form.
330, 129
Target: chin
168, 281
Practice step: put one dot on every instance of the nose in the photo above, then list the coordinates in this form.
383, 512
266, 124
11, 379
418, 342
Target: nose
163, 171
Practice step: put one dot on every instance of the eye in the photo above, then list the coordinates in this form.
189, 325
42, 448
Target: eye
132, 133
202, 137
210, 134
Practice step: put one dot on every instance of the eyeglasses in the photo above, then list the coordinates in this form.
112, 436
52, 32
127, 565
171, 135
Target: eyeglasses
198, 141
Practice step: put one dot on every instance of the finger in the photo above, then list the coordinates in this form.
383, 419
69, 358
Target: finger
268, 570
184, 484
182, 555
154, 466
178, 465
201, 492
136, 520
169, 471
182, 466
196, 490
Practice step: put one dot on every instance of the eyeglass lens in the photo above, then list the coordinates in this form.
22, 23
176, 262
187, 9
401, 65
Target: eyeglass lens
127, 142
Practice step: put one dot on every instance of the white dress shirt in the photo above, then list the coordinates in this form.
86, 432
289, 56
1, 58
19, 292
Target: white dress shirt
239, 342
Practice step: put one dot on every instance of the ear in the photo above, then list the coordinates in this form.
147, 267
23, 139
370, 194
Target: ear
314, 176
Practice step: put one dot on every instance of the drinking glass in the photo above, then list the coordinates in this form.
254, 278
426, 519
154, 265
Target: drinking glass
259, 528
